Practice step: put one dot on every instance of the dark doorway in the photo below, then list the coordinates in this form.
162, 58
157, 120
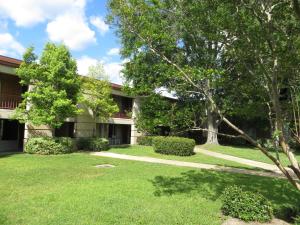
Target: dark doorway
126, 133
119, 134
66, 130
11, 135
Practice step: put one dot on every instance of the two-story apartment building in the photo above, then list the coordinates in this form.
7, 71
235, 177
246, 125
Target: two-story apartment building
11, 131
120, 129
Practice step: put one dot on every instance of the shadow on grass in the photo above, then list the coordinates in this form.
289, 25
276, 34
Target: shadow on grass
8, 154
210, 185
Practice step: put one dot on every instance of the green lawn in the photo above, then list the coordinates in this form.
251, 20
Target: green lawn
139, 150
68, 189
247, 153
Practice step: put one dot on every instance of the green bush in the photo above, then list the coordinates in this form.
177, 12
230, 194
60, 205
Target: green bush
67, 143
49, 145
83, 143
297, 220
245, 205
287, 212
173, 146
145, 140
93, 144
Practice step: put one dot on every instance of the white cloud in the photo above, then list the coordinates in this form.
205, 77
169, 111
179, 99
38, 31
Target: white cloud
99, 23
9, 46
66, 19
113, 51
3, 25
30, 12
112, 69
71, 29
84, 63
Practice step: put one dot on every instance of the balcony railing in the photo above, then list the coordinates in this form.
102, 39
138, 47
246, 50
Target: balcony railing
9, 101
122, 115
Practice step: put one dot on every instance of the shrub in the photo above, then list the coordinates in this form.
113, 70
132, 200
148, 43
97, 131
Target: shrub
297, 220
287, 212
49, 145
93, 144
83, 143
174, 145
67, 143
145, 140
245, 205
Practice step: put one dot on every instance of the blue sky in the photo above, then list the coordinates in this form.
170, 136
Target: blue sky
79, 24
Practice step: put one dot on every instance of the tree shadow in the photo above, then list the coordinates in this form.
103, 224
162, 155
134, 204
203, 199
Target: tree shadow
210, 185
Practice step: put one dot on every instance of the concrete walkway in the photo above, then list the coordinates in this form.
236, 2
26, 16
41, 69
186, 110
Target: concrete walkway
248, 162
186, 164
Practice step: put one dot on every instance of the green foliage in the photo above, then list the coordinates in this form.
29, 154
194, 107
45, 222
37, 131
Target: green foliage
288, 213
54, 86
92, 144
97, 93
49, 146
145, 140
174, 146
156, 112
297, 220
245, 205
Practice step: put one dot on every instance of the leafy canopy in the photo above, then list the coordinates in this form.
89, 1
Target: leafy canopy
97, 93
53, 86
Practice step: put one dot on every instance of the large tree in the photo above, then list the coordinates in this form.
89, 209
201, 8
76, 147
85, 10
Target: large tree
188, 46
158, 113
53, 86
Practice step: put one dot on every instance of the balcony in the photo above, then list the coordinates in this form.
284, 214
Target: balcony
8, 101
122, 115
124, 105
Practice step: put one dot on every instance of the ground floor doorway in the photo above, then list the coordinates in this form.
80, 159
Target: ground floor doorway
117, 134
11, 135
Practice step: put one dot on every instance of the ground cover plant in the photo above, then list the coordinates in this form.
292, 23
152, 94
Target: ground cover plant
245, 205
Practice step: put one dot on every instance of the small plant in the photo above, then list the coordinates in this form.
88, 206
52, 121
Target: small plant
297, 220
287, 212
173, 146
245, 205
145, 140
49, 145
93, 144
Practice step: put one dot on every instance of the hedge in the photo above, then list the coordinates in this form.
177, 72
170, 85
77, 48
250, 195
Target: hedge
49, 145
173, 145
245, 205
92, 144
145, 140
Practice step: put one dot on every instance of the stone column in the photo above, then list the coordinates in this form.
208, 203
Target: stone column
134, 131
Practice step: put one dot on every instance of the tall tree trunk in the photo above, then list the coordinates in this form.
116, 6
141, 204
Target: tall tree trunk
212, 127
280, 129
212, 123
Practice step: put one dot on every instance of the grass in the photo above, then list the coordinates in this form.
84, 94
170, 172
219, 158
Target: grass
138, 150
68, 189
247, 153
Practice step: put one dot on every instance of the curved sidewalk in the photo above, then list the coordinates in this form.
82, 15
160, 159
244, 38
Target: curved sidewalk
187, 164
248, 162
